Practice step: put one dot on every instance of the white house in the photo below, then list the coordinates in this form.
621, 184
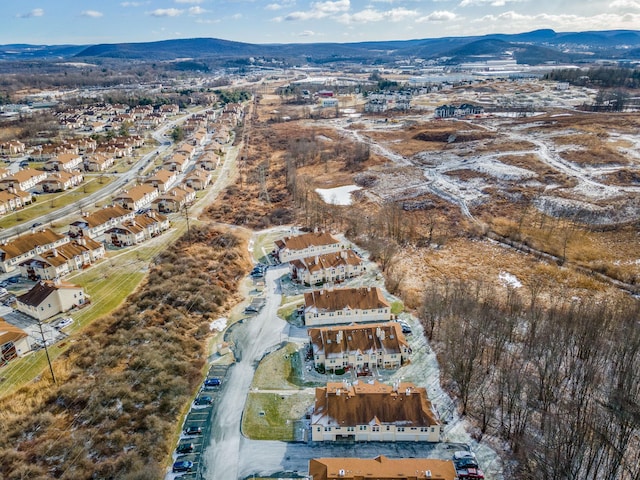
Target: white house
345, 305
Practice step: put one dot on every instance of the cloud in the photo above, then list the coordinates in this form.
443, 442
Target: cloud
236, 16
625, 4
438, 16
197, 10
91, 13
189, 1
484, 3
36, 12
307, 33
518, 22
320, 10
166, 12
369, 15
134, 4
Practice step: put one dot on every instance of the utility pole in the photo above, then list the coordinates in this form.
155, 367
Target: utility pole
46, 351
186, 213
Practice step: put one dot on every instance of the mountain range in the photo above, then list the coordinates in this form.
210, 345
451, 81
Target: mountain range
536, 47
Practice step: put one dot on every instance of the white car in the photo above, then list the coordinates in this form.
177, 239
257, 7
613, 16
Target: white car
65, 322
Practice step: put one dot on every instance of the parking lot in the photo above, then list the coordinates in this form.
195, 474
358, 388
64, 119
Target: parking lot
198, 423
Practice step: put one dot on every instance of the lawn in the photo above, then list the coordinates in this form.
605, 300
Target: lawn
275, 369
48, 203
274, 416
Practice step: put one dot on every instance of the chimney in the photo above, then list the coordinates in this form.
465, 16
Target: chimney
55, 252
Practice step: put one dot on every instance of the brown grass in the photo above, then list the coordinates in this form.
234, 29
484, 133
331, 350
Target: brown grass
123, 385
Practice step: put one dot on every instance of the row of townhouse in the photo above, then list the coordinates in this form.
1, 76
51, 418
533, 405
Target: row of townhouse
12, 147
328, 268
98, 118
351, 328
60, 261
372, 411
359, 347
381, 468
332, 306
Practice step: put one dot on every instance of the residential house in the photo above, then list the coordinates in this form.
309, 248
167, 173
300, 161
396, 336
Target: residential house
209, 160
175, 200
60, 181
95, 224
12, 147
198, 179
169, 110
345, 305
28, 246
177, 163
359, 347
13, 342
330, 267
64, 162
58, 262
187, 149
306, 245
23, 180
381, 468
449, 111
99, 162
47, 299
11, 201
141, 228
370, 412
137, 197
163, 180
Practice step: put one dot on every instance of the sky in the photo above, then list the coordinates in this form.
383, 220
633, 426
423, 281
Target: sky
85, 22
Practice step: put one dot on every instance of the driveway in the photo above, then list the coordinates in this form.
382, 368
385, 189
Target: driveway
253, 337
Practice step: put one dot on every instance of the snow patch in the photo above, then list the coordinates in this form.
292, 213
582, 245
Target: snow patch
218, 324
338, 195
509, 280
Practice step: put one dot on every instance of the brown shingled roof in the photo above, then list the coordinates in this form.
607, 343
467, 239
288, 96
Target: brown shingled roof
336, 340
300, 242
28, 242
329, 260
362, 403
381, 468
365, 298
103, 215
41, 290
10, 333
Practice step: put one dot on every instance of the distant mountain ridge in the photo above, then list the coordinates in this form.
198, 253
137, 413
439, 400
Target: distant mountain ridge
538, 46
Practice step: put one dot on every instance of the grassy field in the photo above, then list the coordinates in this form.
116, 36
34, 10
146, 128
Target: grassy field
275, 369
273, 416
48, 203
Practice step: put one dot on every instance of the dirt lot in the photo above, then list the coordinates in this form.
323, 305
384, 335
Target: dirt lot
559, 180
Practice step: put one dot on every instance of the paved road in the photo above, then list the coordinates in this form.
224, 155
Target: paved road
122, 180
253, 338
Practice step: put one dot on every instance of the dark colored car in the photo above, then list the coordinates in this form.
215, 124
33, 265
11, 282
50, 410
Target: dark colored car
251, 309
212, 382
182, 466
204, 400
193, 430
185, 448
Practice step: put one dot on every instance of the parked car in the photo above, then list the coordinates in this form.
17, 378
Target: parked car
193, 430
9, 301
64, 322
14, 279
204, 400
182, 466
212, 382
185, 448
251, 309
467, 465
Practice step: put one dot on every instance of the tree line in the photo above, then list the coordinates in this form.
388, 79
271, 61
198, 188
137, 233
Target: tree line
559, 383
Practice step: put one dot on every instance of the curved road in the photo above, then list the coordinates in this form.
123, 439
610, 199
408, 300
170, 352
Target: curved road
253, 338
